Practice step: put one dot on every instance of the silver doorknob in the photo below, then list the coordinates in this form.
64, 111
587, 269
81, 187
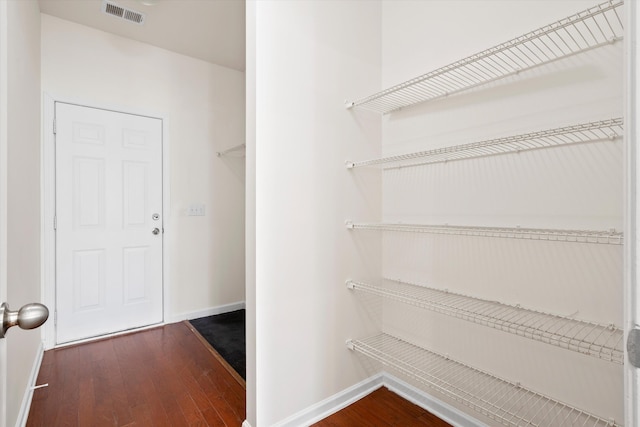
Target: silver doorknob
156, 231
29, 316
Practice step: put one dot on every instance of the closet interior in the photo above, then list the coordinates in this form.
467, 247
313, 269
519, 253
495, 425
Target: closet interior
502, 214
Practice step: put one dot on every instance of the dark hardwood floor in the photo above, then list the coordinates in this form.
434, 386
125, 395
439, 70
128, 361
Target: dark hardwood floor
382, 408
158, 377
169, 376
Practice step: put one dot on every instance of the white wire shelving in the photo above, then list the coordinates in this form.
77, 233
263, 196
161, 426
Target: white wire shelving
506, 402
610, 237
238, 150
603, 130
589, 29
601, 341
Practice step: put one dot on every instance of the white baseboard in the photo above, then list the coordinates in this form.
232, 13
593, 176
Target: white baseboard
206, 312
28, 393
442, 410
346, 397
332, 404
175, 319
245, 423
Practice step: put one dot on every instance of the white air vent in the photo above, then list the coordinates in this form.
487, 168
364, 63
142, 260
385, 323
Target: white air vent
110, 8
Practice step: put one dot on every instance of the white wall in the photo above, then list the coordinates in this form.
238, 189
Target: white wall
309, 56
573, 187
23, 191
250, 216
204, 105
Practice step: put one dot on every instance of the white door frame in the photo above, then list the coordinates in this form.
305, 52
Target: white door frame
632, 209
48, 255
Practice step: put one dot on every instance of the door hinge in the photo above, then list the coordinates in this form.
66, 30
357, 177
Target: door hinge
55, 129
633, 347
55, 222
55, 317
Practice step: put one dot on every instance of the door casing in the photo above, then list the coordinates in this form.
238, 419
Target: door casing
48, 255
632, 204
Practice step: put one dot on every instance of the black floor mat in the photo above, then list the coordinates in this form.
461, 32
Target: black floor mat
226, 333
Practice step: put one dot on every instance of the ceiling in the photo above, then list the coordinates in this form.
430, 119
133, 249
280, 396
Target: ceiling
211, 30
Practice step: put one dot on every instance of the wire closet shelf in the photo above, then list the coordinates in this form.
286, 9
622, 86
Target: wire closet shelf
589, 29
239, 149
508, 403
601, 341
610, 237
603, 130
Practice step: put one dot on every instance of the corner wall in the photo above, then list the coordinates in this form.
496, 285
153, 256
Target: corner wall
204, 106
309, 56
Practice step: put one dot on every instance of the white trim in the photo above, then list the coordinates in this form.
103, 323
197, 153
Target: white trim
105, 336
48, 207
245, 423
118, 108
225, 308
338, 401
47, 201
437, 407
23, 415
631, 137
333, 403
166, 215
192, 315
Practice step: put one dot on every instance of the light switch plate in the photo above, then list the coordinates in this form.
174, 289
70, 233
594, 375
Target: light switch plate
196, 209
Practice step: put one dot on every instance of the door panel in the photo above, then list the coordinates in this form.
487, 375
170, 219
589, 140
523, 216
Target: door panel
108, 186
135, 194
88, 280
88, 193
135, 273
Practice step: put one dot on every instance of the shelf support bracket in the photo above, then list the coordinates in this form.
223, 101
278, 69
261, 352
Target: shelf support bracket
633, 347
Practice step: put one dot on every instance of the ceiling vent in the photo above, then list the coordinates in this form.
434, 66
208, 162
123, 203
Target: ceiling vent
110, 8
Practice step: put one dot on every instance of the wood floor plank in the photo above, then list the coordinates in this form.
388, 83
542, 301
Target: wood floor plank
212, 418
190, 411
174, 413
141, 415
166, 377
87, 402
159, 377
382, 408
221, 406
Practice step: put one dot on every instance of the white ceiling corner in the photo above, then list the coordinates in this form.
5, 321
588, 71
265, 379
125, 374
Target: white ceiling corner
211, 30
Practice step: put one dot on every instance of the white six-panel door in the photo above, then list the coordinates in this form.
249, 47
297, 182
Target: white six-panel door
108, 222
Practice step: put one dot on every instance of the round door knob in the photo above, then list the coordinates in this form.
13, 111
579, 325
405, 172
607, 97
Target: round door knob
32, 316
29, 316
156, 231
